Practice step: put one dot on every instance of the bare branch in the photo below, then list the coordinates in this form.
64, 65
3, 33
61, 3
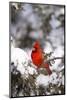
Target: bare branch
54, 59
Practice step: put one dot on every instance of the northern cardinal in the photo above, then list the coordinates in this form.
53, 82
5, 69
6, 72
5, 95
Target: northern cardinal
38, 58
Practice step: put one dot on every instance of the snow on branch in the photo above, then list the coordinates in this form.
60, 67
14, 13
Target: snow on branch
54, 59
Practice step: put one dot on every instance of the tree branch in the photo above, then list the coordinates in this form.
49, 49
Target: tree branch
54, 59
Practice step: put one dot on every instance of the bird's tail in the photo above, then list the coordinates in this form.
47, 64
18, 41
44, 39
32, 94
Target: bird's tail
49, 71
46, 65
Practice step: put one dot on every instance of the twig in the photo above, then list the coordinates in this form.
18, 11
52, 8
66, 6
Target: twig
54, 59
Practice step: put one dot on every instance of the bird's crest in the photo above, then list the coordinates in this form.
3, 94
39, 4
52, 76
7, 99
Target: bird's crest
36, 44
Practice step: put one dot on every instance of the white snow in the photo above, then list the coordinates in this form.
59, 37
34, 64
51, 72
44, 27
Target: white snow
18, 56
28, 52
57, 53
42, 80
32, 70
54, 78
21, 60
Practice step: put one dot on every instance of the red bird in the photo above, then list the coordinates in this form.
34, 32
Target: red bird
38, 57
